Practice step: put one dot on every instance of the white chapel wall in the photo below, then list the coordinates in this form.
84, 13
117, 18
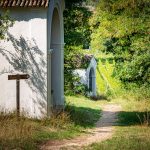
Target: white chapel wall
25, 52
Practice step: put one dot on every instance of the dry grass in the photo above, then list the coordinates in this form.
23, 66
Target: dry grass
24, 133
16, 132
27, 134
60, 120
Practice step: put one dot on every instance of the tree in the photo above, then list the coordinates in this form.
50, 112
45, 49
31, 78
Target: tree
77, 35
5, 23
121, 27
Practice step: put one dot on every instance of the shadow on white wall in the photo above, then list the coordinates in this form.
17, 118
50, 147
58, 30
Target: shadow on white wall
28, 58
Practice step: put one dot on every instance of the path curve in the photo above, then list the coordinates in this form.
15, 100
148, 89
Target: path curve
104, 130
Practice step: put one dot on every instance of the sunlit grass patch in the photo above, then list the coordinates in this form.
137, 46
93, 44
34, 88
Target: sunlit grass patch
81, 101
83, 111
126, 138
106, 82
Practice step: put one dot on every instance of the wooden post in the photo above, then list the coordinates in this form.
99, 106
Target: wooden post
18, 77
18, 97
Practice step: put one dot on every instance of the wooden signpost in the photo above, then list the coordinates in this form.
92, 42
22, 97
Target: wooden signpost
18, 77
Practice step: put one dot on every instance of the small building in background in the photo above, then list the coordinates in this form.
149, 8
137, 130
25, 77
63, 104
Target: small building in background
87, 73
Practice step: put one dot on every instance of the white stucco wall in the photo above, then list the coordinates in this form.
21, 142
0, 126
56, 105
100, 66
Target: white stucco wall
25, 52
82, 74
28, 51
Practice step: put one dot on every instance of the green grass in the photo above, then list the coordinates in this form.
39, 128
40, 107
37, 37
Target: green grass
105, 80
126, 138
80, 114
84, 112
132, 132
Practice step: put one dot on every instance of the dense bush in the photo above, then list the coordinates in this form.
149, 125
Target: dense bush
5, 23
121, 27
77, 35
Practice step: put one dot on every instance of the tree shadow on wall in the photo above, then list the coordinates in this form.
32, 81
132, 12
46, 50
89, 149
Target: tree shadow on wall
27, 58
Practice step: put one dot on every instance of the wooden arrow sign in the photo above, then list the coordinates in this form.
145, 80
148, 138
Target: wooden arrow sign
18, 77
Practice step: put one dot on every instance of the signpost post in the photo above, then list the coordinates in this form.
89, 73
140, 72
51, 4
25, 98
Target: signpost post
18, 77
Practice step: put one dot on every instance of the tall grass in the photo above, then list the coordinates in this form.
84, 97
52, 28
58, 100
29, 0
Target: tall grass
16, 133
23, 133
141, 93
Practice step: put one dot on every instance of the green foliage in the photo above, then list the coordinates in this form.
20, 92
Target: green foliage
5, 23
121, 27
73, 3
73, 60
77, 35
77, 29
134, 91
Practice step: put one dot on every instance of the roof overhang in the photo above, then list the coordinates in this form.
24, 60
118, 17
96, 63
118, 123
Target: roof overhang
24, 3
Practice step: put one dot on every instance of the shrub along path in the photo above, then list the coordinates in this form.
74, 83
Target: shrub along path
104, 130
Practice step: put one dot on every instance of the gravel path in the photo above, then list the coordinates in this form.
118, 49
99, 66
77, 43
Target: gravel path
104, 130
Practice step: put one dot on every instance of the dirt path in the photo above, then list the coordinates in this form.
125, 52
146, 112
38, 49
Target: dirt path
104, 130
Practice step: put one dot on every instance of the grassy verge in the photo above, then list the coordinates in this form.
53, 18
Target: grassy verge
80, 113
126, 138
132, 132
107, 84
83, 112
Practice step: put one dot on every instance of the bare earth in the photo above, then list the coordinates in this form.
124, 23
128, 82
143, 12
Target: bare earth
104, 130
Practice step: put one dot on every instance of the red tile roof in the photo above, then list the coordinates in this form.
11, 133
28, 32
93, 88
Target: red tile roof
24, 3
